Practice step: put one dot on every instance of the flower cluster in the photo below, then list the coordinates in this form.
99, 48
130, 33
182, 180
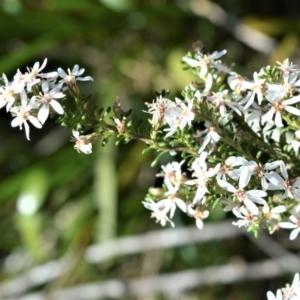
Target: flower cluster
173, 195
176, 114
289, 292
256, 122
32, 96
239, 138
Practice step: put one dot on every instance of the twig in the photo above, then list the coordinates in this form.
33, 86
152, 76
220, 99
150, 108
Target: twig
172, 285
167, 238
160, 239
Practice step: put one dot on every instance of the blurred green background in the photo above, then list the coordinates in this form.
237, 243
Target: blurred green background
55, 202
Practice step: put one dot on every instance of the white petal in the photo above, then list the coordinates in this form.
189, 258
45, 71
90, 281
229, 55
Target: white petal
87, 149
287, 225
294, 233
34, 121
291, 101
275, 179
209, 79
181, 204
257, 193
251, 206
43, 65
36, 66
16, 122
45, 87
80, 72
199, 223
172, 210
191, 182
267, 117
86, 78
75, 70
43, 113
58, 95
26, 130
278, 120
216, 54
61, 73
293, 219
293, 110
200, 194
57, 107
23, 96
271, 296
215, 136
244, 177
192, 62
279, 209
49, 75
226, 186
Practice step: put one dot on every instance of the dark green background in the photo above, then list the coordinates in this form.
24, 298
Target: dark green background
131, 49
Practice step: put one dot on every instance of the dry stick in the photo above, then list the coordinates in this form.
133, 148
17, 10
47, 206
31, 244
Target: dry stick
172, 285
166, 238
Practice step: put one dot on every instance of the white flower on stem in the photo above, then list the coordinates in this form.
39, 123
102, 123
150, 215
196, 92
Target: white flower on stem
179, 116
220, 100
278, 296
47, 99
8, 92
246, 217
236, 82
203, 174
278, 107
214, 61
286, 66
82, 143
229, 168
246, 197
292, 292
171, 202
158, 213
174, 123
205, 61
159, 109
289, 86
23, 114
186, 114
172, 173
30, 78
291, 187
73, 76
253, 118
50, 81
252, 168
257, 89
199, 213
211, 137
293, 224
254, 112
273, 213
269, 130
